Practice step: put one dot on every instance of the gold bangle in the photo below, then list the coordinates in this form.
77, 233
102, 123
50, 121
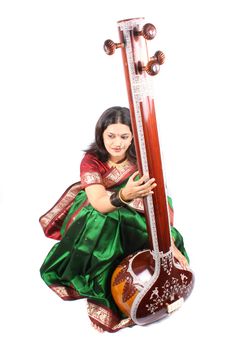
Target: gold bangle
121, 197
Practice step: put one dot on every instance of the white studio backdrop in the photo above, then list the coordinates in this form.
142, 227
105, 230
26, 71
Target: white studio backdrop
55, 81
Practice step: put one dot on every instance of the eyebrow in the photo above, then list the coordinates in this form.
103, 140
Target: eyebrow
125, 134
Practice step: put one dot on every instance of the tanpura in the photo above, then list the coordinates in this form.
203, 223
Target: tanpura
149, 284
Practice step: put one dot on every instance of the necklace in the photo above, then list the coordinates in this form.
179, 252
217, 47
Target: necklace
117, 165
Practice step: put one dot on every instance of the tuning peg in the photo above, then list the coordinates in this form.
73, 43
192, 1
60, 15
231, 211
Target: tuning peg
153, 66
110, 47
148, 31
159, 57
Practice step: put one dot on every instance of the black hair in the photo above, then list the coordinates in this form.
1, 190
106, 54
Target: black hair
112, 115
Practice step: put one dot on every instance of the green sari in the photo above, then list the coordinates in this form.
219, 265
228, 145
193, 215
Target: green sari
93, 244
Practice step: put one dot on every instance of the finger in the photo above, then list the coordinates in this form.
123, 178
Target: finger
143, 178
145, 192
144, 184
184, 263
153, 185
147, 186
150, 181
132, 177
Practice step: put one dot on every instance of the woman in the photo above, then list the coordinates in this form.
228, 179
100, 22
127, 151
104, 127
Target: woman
93, 220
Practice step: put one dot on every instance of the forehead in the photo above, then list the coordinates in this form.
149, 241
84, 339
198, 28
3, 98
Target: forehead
118, 129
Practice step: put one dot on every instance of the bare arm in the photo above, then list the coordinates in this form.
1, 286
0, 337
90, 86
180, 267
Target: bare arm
99, 199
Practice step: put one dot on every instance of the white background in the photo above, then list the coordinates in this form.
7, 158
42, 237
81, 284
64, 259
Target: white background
55, 82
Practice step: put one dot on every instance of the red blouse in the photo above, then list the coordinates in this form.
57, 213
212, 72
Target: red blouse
92, 170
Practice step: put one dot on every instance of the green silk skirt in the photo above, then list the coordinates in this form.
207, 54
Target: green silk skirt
92, 247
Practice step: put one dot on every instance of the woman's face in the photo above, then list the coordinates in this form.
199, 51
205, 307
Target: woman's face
117, 139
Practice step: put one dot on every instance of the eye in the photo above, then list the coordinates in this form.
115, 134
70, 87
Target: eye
110, 136
125, 137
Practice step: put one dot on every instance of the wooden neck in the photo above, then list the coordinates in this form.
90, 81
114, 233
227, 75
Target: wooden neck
143, 117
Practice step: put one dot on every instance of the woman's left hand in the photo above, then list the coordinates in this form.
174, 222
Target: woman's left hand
179, 256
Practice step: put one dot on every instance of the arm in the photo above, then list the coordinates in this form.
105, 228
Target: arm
99, 199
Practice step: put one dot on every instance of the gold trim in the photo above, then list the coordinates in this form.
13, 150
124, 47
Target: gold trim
117, 174
106, 317
126, 322
65, 292
137, 204
89, 178
61, 204
99, 314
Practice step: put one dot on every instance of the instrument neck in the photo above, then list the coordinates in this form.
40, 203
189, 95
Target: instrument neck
146, 140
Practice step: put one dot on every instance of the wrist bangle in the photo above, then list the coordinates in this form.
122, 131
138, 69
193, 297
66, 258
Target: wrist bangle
115, 200
122, 198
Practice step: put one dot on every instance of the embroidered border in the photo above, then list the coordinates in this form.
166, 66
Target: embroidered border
65, 292
104, 317
89, 178
118, 174
52, 220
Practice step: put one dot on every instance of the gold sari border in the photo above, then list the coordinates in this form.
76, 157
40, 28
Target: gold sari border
65, 292
50, 221
104, 318
63, 201
118, 175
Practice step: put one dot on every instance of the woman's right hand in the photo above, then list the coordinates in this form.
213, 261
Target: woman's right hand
138, 188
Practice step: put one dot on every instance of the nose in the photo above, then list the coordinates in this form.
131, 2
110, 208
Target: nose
118, 142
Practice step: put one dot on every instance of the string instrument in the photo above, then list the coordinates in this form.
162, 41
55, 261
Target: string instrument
149, 284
